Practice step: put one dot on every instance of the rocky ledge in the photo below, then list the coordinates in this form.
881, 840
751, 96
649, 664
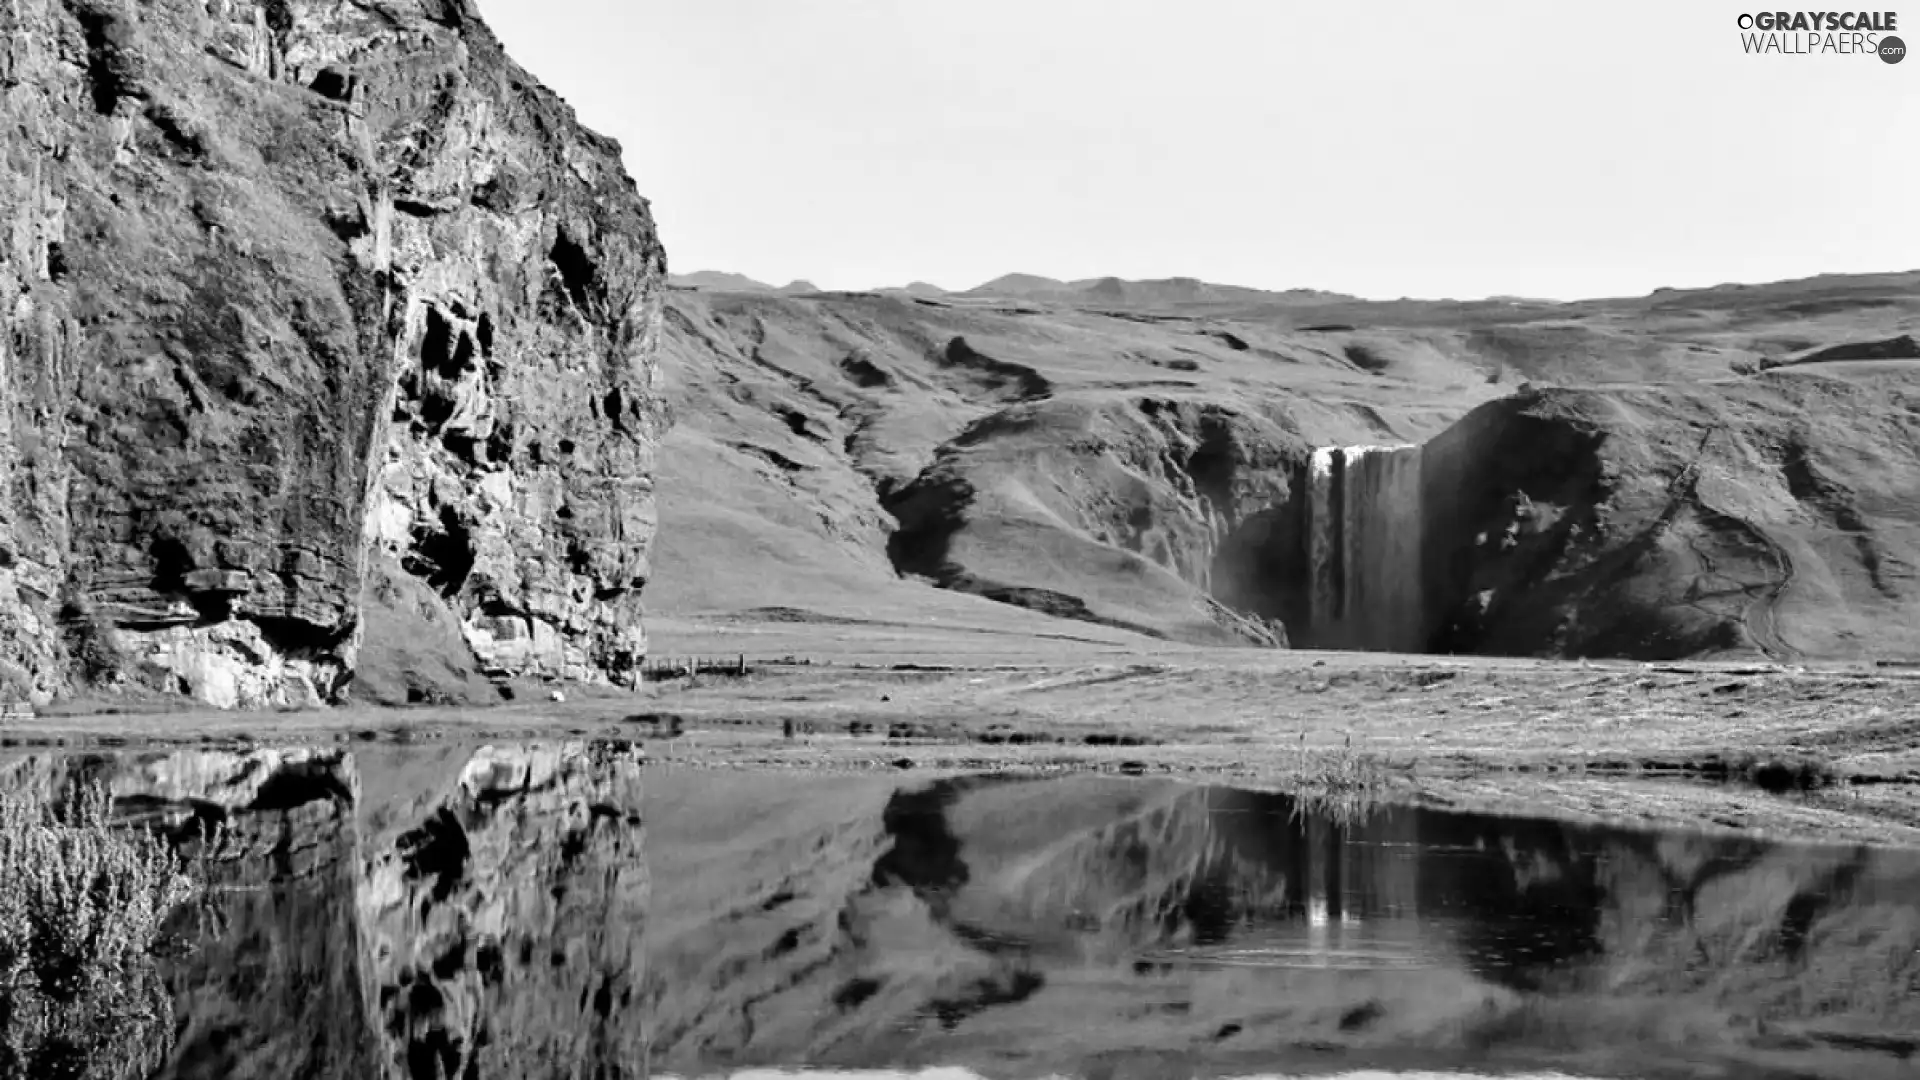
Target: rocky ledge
295, 298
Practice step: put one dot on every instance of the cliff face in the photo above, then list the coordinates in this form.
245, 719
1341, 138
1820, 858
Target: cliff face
297, 292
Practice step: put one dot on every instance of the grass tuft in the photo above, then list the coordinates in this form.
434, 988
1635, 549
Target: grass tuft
1779, 774
1343, 785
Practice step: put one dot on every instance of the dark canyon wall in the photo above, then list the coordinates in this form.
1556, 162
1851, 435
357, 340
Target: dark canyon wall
299, 296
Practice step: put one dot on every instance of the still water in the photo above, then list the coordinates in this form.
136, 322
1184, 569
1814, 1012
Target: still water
566, 910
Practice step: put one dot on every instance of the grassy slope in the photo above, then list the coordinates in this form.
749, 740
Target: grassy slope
1090, 460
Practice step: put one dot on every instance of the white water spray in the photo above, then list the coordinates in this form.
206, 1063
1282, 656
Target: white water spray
1364, 545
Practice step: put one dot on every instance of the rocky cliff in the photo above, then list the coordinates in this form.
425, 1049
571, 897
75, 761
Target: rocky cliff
298, 295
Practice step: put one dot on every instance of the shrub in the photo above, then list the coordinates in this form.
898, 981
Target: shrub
81, 906
89, 641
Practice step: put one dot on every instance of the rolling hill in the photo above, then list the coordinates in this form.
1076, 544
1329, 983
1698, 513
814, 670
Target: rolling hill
1717, 471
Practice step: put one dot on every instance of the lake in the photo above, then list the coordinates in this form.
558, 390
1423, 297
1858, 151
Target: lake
570, 910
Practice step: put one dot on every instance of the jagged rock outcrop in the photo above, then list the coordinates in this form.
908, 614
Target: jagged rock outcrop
290, 288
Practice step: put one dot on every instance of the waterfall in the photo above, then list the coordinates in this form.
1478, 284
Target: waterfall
1363, 550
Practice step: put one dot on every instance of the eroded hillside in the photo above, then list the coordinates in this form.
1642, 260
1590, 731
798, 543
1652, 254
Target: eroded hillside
1139, 463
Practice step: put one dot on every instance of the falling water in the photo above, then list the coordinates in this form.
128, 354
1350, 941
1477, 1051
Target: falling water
1363, 515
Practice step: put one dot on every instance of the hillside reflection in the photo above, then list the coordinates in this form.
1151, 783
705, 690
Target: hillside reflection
1093, 927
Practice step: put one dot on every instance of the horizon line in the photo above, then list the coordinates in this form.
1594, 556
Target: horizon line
1331, 293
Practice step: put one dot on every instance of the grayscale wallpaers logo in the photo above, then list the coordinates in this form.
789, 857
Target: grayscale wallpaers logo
1823, 33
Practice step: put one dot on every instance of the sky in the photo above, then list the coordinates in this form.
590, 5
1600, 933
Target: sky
1392, 148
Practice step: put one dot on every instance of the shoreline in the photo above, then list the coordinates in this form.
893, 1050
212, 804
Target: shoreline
1691, 745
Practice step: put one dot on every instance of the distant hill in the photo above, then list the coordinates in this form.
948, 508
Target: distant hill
1177, 293
917, 288
1017, 285
1104, 292
1158, 293
719, 281
722, 282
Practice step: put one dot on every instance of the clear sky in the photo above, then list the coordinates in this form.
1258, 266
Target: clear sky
1391, 148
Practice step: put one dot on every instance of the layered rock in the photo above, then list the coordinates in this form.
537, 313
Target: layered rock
294, 287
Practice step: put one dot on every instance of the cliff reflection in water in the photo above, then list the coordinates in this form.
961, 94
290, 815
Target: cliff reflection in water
440, 912
444, 913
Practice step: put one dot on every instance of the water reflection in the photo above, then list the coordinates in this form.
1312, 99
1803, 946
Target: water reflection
439, 912
1085, 927
966, 1074
450, 913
